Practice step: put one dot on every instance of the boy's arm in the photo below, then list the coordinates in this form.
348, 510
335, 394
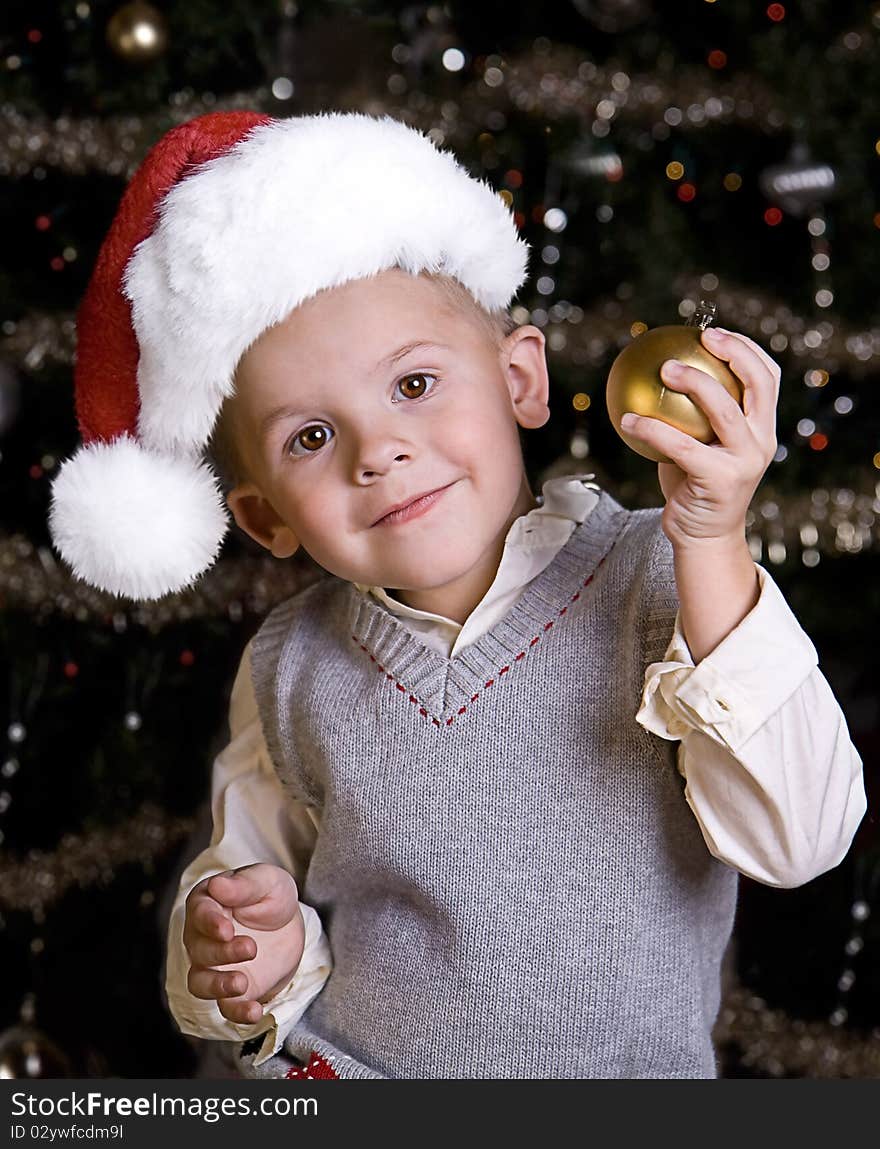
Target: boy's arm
772, 777
254, 820
801, 781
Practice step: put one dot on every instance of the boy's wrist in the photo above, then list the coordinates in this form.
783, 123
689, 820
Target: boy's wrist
711, 548
717, 587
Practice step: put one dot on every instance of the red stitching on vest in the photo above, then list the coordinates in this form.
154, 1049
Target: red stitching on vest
489, 682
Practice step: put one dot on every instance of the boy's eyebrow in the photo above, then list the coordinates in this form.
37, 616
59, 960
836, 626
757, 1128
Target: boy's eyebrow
391, 359
286, 411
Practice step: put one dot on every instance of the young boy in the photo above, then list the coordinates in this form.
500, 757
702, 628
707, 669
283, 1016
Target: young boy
503, 873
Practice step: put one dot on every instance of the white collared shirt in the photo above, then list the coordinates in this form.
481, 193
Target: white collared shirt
771, 775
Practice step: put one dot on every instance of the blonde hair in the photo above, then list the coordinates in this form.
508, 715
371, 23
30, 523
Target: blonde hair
223, 451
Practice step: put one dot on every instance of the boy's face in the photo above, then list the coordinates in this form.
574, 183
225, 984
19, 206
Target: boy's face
336, 427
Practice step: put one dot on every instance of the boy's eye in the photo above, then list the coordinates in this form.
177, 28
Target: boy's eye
310, 439
414, 386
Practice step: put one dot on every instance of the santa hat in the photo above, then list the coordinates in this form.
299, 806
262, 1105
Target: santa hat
231, 222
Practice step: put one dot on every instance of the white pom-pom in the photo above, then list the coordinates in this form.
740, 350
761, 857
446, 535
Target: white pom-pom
136, 523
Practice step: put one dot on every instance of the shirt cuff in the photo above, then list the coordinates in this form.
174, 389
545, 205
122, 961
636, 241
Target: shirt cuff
739, 685
290, 1003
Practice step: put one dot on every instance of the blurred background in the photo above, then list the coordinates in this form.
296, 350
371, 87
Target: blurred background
654, 156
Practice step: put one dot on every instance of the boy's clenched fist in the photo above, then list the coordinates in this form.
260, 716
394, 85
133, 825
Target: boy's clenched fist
244, 934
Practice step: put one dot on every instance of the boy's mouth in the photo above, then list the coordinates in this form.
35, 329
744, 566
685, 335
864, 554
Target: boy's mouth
411, 508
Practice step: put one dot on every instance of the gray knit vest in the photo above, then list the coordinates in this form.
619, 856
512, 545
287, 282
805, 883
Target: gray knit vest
509, 876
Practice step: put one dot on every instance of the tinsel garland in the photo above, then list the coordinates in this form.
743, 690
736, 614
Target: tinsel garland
829, 522
555, 82
39, 879
33, 579
771, 1043
574, 335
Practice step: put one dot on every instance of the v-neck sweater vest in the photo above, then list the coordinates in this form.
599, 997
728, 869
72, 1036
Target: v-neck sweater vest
507, 871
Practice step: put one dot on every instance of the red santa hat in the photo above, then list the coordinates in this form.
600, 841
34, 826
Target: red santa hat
231, 222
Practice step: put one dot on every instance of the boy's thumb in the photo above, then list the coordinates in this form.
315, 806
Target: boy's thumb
238, 887
259, 895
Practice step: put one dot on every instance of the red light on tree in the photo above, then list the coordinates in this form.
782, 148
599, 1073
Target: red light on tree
776, 12
818, 441
772, 216
717, 59
686, 192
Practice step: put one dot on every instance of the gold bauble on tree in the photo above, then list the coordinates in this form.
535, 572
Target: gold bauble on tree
137, 32
635, 384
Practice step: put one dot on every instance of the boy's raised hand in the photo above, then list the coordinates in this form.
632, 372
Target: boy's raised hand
244, 934
708, 488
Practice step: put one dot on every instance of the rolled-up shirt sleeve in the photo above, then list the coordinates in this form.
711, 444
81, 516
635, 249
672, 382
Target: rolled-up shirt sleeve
253, 821
771, 773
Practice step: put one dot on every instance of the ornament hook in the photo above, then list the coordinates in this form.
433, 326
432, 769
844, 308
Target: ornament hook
703, 315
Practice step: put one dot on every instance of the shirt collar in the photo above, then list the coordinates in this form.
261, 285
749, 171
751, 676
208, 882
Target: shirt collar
530, 545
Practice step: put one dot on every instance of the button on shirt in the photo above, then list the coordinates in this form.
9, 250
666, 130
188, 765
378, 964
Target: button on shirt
771, 775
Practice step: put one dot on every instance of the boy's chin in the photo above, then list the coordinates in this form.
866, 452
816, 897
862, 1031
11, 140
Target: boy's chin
422, 577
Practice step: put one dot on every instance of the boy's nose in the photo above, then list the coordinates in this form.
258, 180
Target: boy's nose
376, 453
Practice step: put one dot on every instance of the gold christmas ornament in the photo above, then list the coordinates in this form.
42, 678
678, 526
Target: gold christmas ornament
634, 382
137, 32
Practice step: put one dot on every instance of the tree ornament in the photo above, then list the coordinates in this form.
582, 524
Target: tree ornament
137, 33
799, 186
26, 1052
635, 384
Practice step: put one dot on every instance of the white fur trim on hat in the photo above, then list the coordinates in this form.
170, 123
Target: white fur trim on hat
133, 522
299, 205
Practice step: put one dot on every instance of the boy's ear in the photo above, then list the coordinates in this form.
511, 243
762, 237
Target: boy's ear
258, 518
525, 367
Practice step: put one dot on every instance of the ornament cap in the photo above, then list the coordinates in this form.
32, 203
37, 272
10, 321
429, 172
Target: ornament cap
704, 315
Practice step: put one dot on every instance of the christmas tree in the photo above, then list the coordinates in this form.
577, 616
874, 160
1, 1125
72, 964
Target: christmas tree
725, 152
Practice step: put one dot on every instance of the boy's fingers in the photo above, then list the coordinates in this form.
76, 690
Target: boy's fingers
213, 984
204, 952
206, 918
241, 1012
755, 370
768, 361
720, 408
693, 457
